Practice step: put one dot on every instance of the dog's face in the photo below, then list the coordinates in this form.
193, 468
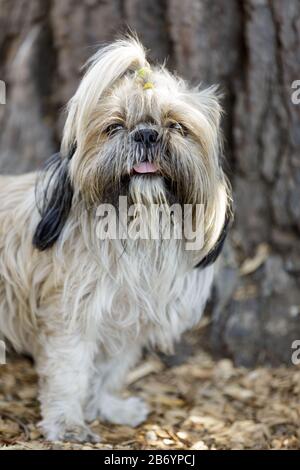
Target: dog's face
162, 141
143, 133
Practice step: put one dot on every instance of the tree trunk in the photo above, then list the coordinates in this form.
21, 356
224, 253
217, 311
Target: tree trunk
252, 49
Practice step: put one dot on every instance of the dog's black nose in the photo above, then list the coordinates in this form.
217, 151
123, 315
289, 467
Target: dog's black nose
146, 137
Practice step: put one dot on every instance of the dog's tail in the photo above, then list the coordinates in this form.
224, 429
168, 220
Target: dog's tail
107, 66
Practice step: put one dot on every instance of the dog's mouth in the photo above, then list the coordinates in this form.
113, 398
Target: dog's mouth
145, 168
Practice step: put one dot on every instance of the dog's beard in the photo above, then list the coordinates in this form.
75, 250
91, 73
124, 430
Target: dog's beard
149, 217
183, 177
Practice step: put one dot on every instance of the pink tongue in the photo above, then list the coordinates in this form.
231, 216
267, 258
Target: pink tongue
145, 167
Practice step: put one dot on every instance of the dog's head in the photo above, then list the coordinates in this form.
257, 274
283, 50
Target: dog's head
139, 131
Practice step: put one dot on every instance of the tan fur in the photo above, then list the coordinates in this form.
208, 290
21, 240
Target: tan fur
84, 308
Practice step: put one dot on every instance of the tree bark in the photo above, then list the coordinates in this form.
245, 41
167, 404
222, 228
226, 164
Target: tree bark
252, 49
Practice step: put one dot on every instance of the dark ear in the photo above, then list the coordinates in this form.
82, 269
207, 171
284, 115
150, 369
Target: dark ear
54, 195
212, 256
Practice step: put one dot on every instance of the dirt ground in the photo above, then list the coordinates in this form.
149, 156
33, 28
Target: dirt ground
201, 404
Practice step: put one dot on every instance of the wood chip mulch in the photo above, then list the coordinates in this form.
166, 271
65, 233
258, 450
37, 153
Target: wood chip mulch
202, 404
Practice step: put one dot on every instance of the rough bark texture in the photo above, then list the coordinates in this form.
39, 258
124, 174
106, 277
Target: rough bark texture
250, 47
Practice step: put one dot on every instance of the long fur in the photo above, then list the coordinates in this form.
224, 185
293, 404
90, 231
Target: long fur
85, 307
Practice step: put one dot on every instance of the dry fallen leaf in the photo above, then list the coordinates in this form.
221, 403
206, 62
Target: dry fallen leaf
252, 264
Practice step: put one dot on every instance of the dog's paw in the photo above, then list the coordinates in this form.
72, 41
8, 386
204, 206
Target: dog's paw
131, 411
80, 434
74, 433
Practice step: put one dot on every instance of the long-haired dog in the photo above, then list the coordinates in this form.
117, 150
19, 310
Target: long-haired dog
85, 306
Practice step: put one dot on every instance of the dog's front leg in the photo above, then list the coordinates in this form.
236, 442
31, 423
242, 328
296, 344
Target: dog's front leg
104, 401
64, 365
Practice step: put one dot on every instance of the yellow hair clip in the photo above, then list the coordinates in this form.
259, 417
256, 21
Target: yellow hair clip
148, 86
144, 73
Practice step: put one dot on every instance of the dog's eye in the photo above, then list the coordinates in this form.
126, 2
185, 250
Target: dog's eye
112, 129
178, 127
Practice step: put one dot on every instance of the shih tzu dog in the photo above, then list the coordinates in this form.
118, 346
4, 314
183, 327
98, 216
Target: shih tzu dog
84, 305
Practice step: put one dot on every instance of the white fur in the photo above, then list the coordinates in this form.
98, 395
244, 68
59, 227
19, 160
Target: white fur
85, 308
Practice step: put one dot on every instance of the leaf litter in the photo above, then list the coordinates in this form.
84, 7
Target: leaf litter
201, 404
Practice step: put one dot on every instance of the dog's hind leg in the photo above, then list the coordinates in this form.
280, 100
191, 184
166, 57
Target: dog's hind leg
104, 401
